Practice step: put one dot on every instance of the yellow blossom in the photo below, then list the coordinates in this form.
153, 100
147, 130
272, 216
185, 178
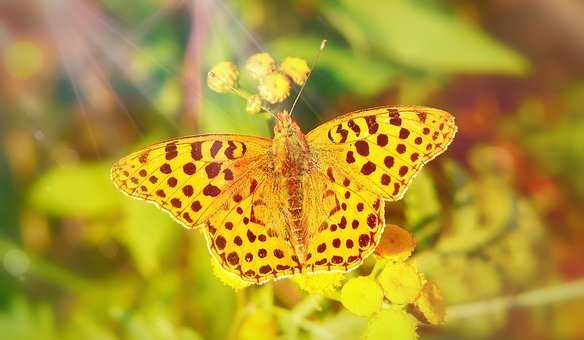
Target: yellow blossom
362, 296
401, 282
295, 68
274, 87
223, 77
227, 278
260, 65
254, 104
431, 304
323, 283
259, 325
390, 324
396, 243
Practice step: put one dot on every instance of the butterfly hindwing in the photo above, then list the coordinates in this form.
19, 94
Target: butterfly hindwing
189, 177
350, 222
248, 238
383, 148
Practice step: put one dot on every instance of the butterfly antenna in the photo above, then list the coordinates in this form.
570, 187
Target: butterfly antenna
322, 46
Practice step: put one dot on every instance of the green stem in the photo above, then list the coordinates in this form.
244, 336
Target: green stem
377, 268
306, 307
292, 320
46, 270
570, 290
240, 314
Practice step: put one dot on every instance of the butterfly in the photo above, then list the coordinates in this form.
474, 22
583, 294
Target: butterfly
297, 203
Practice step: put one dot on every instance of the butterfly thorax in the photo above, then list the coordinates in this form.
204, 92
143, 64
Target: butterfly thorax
292, 158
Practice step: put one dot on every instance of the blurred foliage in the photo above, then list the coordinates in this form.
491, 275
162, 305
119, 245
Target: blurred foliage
83, 83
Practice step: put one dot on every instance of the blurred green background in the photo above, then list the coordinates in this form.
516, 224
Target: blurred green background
497, 218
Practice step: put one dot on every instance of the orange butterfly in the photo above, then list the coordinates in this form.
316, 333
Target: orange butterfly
294, 204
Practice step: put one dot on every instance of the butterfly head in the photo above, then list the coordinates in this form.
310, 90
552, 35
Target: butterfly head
286, 126
288, 137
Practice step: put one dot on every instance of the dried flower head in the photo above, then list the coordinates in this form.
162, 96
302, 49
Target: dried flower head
296, 68
223, 77
254, 104
362, 296
396, 243
430, 304
260, 65
274, 87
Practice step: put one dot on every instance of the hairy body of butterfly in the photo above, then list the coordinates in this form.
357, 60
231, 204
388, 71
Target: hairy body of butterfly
298, 203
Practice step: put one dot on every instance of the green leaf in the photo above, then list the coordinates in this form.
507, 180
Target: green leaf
75, 190
424, 38
149, 233
560, 151
24, 321
422, 207
225, 113
348, 70
83, 326
208, 293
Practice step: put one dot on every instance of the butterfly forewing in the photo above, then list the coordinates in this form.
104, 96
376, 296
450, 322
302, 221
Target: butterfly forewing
189, 177
383, 148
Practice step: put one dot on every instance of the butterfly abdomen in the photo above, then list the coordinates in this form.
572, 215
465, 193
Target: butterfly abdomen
291, 161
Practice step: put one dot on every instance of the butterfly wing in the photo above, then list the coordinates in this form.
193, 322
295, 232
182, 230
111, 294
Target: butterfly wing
224, 182
249, 239
191, 177
363, 158
349, 221
383, 148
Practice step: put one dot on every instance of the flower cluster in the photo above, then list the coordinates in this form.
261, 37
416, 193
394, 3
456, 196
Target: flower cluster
395, 296
274, 83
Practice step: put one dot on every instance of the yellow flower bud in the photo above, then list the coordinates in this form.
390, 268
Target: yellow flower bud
254, 104
274, 87
362, 296
323, 283
295, 68
259, 65
391, 324
227, 278
430, 304
396, 243
401, 282
223, 77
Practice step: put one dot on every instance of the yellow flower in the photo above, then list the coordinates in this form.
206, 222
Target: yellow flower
401, 282
254, 104
390, 324
396, 243
274, 87
223, 77
324, 283
259, 325
227, 278
260, 65
431, 304
362, 296
295, 68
